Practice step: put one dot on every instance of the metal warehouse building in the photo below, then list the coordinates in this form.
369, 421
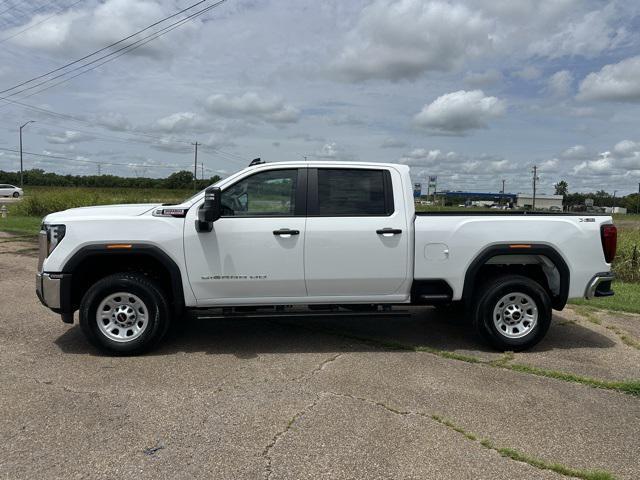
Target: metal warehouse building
544, 202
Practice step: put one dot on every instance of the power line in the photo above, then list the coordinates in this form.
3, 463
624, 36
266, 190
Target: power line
108, 57
94, 162
119, 42
41, 21
112, 56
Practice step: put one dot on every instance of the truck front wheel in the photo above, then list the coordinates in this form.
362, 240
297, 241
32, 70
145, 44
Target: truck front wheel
512, 312
124, 314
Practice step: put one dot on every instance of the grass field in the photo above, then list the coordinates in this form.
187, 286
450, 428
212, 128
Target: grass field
626, 299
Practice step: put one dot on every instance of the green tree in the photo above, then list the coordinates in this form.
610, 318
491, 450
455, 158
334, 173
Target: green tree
562, 188
181, 179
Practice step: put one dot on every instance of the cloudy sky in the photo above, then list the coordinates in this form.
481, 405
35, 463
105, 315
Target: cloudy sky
474, 92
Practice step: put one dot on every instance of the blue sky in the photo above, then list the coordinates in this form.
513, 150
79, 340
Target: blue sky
474, 92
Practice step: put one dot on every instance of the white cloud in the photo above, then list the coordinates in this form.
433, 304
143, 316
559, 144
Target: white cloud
559, 84
182, 122
577, 152
618, 82
397, 40
549, 166
100, 24
251, 105
626, 148
457, 112
69, 136
595, 32
601, 166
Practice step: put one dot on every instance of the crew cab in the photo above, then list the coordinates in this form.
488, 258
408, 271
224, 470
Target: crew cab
323, 236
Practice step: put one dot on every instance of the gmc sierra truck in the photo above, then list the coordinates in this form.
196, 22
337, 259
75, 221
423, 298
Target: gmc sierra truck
322, 236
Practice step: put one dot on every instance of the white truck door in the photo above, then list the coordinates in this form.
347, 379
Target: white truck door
255, 250
357, 240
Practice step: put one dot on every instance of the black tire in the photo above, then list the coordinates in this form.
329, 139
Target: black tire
516, 288
147, 291
16, 194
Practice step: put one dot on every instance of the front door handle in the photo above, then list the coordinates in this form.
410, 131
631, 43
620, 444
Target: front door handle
286, 231
388, 231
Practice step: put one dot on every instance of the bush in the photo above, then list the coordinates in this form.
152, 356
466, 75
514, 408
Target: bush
39, 202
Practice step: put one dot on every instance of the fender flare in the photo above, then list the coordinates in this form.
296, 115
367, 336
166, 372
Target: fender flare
149, 250
558, 301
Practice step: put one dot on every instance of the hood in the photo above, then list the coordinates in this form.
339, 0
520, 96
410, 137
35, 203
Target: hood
103, 211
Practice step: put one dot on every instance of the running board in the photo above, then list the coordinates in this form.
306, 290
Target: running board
434, 298
310, 313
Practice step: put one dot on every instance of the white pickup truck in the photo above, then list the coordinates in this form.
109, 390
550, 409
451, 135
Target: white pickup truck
330, 236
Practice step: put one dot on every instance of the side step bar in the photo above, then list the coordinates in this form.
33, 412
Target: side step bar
304, 314
434, 298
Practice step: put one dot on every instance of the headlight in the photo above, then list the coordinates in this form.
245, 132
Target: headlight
55, 234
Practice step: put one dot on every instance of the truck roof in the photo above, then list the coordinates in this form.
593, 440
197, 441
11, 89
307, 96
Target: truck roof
337, 163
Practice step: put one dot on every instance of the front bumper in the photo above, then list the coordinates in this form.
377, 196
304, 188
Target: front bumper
600, 285
53, 290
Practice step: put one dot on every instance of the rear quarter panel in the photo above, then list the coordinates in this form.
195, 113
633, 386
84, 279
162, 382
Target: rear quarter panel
575, 238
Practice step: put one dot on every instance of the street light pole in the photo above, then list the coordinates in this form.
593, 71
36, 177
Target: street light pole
21, 165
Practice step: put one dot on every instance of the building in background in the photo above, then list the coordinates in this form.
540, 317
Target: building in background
543, 202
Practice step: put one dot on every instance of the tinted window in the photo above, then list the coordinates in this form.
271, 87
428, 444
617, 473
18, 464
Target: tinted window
344, 191
263, 194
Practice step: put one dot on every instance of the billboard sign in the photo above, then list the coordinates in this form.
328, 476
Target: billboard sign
417, 190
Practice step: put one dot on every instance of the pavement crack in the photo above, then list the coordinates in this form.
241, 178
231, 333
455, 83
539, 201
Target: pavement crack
266, 452
321, 366
65, 388
630, 387
509, 453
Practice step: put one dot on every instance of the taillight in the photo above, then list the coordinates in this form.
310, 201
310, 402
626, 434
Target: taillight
609, 236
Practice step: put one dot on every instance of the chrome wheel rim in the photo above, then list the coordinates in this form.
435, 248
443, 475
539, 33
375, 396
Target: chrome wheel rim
515, 315
122, 317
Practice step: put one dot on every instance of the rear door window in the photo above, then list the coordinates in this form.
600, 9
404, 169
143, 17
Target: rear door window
354, 192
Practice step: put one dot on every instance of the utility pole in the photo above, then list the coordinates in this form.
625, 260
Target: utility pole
502, 198
99, 165
195, 167
21, 165
613, 203
503, 185
638, 200
535, 179
201, 171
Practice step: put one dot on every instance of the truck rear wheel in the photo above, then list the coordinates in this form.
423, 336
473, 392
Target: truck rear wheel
512, 312
124, 314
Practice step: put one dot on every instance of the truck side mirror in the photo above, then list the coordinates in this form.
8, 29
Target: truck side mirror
211, 209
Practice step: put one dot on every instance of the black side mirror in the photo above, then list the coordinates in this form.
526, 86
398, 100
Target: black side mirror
211, 209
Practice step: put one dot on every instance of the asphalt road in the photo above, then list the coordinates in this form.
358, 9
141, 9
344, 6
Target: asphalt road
307, 398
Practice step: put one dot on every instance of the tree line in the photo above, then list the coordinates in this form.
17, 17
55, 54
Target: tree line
600, 198
37, 177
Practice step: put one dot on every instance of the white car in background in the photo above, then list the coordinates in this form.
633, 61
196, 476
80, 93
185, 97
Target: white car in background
7, 190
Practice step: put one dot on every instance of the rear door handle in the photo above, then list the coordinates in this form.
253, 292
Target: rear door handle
286, 231
388, 231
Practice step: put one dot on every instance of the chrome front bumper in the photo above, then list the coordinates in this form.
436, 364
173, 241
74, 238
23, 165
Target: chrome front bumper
600, 285
48, 288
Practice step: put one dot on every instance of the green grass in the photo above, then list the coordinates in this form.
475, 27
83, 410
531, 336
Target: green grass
518, 456
20, 225
626, 299
630, 387
40, 201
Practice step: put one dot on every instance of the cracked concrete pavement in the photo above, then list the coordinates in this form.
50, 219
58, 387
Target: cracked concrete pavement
305, 398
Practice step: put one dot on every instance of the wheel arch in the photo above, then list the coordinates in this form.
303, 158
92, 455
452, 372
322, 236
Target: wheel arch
93, 262
511, 256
